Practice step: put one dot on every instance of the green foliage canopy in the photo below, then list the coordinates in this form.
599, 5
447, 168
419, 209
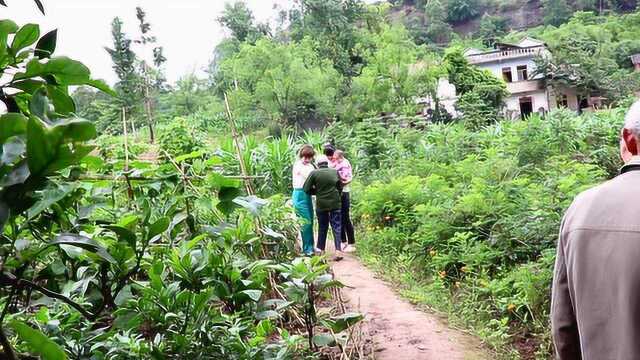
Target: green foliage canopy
282, 82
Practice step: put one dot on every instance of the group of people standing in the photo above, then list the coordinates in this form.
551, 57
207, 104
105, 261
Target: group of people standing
328, 178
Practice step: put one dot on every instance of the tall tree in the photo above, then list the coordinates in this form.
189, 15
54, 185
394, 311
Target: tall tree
556, 12
124, 65
152, 76
393, 78
462, 10
492, 27
438, 30
238, 18
285, 83
333, 24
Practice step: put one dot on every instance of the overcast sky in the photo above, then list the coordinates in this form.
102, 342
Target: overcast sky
185, 28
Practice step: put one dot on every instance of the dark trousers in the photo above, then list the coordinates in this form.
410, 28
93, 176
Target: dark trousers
326, 217
347, 226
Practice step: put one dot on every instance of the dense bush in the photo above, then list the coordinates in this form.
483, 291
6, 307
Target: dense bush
178, 137
476, 213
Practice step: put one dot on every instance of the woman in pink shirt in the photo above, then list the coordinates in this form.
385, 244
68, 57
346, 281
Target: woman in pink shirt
345, 171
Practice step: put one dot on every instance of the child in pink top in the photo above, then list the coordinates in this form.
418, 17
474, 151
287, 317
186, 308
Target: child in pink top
345, 171
343, 166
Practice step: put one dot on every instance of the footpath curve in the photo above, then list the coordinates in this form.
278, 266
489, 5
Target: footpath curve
398, 329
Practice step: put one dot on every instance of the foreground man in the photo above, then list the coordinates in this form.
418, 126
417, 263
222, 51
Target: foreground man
325, 184
595, 309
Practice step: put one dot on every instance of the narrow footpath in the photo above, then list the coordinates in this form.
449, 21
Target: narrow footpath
398, 329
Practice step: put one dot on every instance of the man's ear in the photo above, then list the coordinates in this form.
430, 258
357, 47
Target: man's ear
630, 141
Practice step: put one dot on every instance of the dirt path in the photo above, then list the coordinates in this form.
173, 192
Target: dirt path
398, 329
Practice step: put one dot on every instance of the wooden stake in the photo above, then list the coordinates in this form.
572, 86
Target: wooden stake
147, 103
126, 153
236, 141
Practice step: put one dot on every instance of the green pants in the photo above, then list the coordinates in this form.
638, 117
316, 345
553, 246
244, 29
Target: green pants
304, 209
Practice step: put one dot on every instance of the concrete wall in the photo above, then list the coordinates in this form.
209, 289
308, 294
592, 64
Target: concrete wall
496, 67
572, 98
538, 100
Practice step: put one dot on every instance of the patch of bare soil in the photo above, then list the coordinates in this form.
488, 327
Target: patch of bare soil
398, 330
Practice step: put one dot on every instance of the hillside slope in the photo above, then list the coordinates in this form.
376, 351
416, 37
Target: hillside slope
517, 14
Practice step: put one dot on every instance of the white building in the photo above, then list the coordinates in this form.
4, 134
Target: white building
515, 65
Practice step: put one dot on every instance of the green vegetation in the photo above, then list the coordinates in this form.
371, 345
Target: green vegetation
471, 217
123, 258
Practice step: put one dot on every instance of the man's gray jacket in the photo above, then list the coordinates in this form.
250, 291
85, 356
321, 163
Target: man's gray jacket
595, 306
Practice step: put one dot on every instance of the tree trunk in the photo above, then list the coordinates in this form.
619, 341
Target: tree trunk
147, 105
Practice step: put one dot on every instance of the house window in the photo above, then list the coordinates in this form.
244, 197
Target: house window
506, 74
522, 72
562, 101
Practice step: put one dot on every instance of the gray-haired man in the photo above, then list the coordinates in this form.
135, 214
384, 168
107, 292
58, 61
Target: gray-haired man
595, 306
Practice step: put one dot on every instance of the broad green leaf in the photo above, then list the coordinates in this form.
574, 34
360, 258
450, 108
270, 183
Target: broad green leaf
251, 203
62, 102
220, 181
40, 150
273, 234
68, 71
323, 340
123, 296
11, 125
75, 130
37, 342
158, 227
68, 155
102, 86
43, 315
267, 314
85, 243
27, 35
93, 163
28, 85
228, 193
123, 234
340, 323
8, 27
17, 175
39, 104
65, 70
12, 150
192, 155
47, 45
48, 197
252, 294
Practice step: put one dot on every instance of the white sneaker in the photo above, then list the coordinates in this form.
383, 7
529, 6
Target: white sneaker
318, 251
349, 248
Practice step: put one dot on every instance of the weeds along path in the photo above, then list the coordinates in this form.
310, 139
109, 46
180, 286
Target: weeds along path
399, 330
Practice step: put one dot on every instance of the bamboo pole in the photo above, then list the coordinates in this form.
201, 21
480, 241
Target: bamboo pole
144, 178
236, 141
126, 153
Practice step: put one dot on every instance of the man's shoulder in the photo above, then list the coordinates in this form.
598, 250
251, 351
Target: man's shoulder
618, 185
604, 198
327, 170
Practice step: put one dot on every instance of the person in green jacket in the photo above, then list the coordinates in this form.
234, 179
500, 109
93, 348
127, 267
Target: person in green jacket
326, 185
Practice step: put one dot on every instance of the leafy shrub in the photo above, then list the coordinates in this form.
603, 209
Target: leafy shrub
477, 212
179, 138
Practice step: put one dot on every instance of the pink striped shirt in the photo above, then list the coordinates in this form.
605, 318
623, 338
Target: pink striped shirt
345, 171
